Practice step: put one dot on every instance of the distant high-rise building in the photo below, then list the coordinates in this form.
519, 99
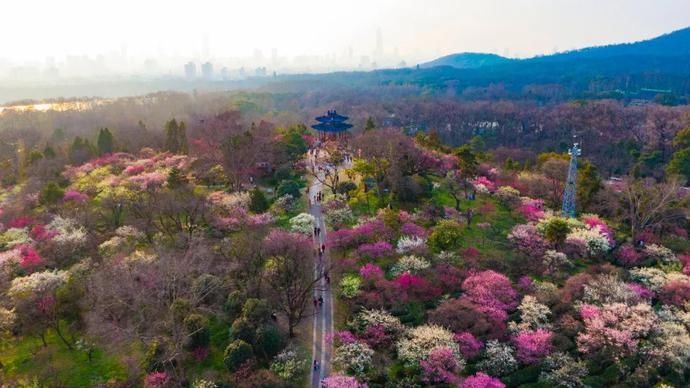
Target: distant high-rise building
205, 51
260, 71
190, 70
379, 44
207, 70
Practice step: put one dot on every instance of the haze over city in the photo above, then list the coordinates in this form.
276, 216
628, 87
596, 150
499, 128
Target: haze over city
82, 39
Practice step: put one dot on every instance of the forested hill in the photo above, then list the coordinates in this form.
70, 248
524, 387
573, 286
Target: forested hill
467, 60
623, 71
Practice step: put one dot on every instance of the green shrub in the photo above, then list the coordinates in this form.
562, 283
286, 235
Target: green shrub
236, 354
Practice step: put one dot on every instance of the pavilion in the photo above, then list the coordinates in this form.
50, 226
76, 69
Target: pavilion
332, 125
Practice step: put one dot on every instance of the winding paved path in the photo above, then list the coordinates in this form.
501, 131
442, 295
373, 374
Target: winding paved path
323, 316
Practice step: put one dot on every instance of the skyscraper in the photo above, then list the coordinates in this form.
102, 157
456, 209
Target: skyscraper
379, 45
207, 70
190, 70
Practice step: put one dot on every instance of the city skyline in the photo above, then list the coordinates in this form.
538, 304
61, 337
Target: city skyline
78, 38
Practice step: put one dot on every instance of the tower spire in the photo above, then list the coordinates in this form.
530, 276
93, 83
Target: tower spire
569, 195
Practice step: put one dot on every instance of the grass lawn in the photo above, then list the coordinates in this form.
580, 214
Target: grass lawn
55, 365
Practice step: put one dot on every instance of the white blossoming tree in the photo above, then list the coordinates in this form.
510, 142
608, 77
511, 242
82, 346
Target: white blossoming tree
420, 341
303, 223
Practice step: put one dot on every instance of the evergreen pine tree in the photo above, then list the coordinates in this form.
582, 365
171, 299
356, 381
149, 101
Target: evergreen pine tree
370, 124
183, 147
258, 202
105, 141
49, 152
176, 178
171, 136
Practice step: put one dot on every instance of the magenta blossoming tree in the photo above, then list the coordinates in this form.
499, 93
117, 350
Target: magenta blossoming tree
470, 347
481, 380
340, 381
491, 290
533, 345
440, 367
375, 250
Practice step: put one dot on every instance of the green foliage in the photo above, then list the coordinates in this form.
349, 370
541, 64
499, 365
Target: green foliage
257, 201
176, 137
478, 145
81, 150
25, 358
282, 173
236, 354
35, 156
546, 156
289, 187
256, 311
680, 164
346, 187
152, 361
294, 142
176, 178
556, 230
51, 194
269, 341
411, 314
180, 308
370, 124
197, 329
588, 184
105, 141
467, 160
233, 304
349, 286
682, 139
243, 329
446, 236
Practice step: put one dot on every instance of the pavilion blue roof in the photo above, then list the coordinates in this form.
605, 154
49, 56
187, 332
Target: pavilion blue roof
332, 127
332, 122
331, 116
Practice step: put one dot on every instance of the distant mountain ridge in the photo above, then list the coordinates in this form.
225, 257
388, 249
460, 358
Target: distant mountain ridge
673, 44
467, 60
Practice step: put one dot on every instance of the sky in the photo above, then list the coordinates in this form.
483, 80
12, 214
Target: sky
33, 30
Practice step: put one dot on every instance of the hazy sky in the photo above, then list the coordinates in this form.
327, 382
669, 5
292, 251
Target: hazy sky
35, 29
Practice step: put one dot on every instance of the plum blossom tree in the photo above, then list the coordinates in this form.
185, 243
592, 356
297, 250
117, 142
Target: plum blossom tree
411, 264
303, 223
340, 381
498, 359
289, 274
490, 290
615, 330
370, 271
533, 315
354, 357
34, 301
527, 240
422, 340
375, 250
156, 380
561, 370
469, 346
441, 367
481, 380
379, 328
533, 345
